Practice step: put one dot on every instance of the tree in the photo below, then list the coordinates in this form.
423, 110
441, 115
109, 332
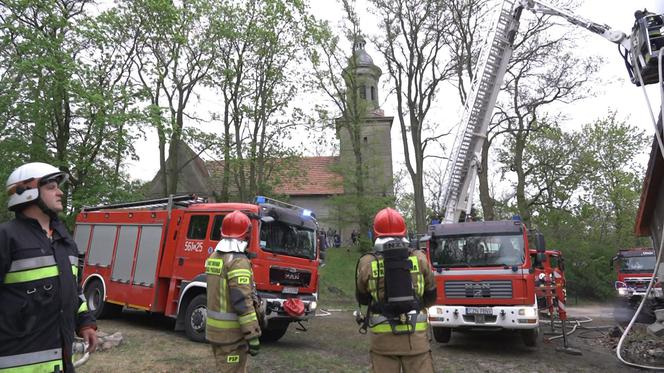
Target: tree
69, 101
260, 45
174, 56
591, 182
533, 83
413, 46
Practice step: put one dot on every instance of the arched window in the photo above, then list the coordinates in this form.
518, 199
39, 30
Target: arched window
373, 93
363, 92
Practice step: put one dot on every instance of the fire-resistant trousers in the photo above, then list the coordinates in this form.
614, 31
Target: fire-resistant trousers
231, 358
422, 363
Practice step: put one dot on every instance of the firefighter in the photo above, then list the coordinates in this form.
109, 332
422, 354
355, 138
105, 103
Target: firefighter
42, 302
397, 284
232, 323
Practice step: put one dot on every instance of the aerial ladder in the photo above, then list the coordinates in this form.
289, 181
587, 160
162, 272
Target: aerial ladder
640, 51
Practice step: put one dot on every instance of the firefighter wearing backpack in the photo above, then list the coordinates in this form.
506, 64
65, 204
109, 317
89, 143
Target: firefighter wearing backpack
232, 324
397, 284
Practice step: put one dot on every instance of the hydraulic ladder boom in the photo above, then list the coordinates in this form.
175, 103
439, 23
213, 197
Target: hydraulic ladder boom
459, 178
492, 64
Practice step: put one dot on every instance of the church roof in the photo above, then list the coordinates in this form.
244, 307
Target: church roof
304, 176
315, 177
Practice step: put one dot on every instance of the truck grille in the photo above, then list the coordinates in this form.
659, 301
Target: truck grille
289, 276
499, 289
638, 283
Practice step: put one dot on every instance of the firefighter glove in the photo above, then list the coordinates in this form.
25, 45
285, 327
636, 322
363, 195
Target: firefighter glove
254, 346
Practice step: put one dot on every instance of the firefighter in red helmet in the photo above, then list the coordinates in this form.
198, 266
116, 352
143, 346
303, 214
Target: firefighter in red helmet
232, 326
396, 284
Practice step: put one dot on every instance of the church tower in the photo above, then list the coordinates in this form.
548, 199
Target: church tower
362, 77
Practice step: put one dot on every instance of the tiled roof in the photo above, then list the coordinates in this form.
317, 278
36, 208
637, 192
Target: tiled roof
300, 177
313, 175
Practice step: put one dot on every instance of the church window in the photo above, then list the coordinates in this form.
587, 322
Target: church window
363, 92
373, 93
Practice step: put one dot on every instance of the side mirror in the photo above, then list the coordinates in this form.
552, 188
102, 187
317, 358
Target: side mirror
541, 258
539, 243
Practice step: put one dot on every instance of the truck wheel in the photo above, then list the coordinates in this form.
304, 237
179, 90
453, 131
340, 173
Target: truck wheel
274, 331
442, 335
529, 337
94, 296
195, 318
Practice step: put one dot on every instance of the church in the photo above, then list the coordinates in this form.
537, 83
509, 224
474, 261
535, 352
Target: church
316, 180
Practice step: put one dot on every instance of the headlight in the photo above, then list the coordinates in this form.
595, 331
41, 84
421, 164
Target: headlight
312, 305
541, 276
622, 291
528, 312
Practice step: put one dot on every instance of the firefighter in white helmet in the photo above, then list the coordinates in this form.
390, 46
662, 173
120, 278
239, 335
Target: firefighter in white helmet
232, 325
42, 303
397, 284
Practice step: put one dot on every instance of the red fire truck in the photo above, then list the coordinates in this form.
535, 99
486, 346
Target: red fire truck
633, 272
484, 278
150, 255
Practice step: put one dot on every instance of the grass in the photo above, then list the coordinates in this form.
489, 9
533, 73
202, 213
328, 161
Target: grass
337, 278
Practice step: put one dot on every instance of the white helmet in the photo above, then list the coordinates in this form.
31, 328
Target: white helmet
24, 182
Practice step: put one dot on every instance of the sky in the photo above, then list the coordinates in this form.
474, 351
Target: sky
616, 93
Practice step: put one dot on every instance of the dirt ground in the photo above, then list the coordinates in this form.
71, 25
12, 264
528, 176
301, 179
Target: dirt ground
333, 344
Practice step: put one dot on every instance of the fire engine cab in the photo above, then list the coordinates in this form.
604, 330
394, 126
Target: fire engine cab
484, 278
633, 274
150, 255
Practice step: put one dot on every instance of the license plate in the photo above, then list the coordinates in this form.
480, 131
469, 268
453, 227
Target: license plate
479, 311
290, 290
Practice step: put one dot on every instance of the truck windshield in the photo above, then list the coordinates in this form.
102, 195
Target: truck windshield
638, 264
477, 251
281, 238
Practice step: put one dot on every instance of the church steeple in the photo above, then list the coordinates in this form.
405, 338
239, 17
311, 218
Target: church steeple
365, 74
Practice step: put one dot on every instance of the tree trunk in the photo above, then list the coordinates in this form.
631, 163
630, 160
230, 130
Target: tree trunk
521, 199
485, 193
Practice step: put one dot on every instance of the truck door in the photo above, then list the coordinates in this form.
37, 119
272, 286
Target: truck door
193, 245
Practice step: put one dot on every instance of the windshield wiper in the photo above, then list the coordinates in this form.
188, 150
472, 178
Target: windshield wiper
454, 265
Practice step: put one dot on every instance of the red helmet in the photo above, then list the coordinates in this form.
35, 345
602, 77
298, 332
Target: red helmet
389, 223
235, 225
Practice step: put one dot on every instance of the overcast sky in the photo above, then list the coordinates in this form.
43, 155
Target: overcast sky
617, 93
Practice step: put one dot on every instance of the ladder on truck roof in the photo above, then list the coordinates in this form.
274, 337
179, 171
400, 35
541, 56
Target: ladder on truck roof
151, 204
459, 179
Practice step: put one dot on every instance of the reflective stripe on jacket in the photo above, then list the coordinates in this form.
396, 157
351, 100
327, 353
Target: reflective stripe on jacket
42, 302
231, 317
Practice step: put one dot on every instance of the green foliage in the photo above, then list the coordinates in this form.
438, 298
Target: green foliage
591, 184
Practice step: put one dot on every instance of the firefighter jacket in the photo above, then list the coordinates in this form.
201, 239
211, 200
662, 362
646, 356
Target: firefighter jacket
42, 303
370, 290
231, 315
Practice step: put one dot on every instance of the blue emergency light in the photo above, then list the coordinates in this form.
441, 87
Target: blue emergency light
306, 212
260, 199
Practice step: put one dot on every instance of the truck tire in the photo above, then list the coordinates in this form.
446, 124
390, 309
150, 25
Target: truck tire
530, 336
274, 331
195, 318
94, 296
442, 335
